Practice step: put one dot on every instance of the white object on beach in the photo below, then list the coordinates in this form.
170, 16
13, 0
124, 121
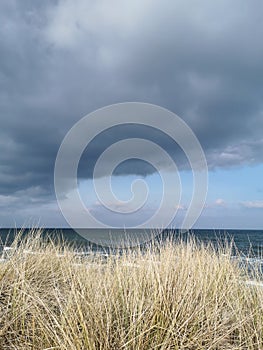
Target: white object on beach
254, 283
6, 249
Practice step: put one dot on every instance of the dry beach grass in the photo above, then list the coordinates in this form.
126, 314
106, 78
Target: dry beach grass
181, 295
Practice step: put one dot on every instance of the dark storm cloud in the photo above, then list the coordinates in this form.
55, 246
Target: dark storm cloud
60, 60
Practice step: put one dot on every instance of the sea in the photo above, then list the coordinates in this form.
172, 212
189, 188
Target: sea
246, 245
245, 242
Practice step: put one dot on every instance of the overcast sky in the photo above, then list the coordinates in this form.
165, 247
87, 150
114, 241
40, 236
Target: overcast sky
62, 59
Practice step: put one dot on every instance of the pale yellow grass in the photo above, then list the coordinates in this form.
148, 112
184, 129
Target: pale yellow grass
173, 296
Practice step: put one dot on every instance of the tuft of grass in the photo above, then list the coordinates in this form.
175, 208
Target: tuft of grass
173, 295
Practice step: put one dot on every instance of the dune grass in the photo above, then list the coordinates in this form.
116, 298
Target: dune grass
181, 295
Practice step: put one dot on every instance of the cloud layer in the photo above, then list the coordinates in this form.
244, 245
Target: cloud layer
61, 60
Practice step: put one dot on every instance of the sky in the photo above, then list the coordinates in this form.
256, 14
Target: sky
62, 59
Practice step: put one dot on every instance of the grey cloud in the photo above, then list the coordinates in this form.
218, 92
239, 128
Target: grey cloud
59, 62
245, 153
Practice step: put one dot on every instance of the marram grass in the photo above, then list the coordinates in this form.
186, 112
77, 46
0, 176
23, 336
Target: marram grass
181, 295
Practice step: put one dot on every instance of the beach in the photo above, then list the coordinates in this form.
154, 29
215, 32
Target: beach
170, 295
